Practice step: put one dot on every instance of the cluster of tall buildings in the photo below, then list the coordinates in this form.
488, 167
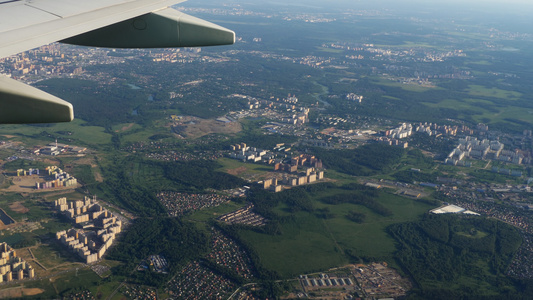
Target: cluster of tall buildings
306, 160
13, 267
403, 131
310, 175
301, 160
301, 117
90, 245
22, 172
243, 152
300, 114
392, 142
433, 129
61, 179
37, 61
392, 137
354, 97
482, 149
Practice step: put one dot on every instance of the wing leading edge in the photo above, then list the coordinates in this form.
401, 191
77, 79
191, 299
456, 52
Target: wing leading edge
125, 24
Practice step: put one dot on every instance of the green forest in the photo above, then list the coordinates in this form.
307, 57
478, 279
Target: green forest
457, 255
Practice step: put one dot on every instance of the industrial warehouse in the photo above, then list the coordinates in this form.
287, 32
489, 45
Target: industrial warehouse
102, 227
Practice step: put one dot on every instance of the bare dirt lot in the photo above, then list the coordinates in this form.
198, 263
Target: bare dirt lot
236, 171
19, 291
126, 127
18, 207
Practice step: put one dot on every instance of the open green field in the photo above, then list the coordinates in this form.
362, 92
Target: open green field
214, 212
88, 135
407, 87
137, 133
105, 289
36, 210
79, 278
201, 217
310, 244
51, 256
75, 195
464, 104
475, 235
506, 113
245, 170
483, 91
483, 115
305, 246
145, 174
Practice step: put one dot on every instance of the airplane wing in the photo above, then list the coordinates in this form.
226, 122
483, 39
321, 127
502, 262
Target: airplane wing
27, 24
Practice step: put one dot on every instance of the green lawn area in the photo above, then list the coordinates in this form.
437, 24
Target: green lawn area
325, 242
305, 246
147, 175
476, 235
338, 177
142, 134
105, 290
137, 133
207, 214
50, 257
75, 279
249, 168
369, 239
